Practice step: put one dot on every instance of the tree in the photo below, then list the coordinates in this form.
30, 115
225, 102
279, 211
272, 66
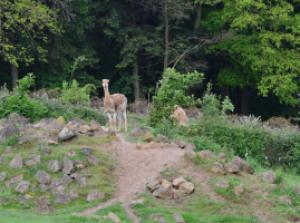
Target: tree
24, 29
262, 48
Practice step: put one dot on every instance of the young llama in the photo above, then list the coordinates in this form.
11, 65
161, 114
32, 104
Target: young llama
115, 107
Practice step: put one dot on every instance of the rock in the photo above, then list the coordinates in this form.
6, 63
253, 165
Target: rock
177, 181
67, 166
178, 218
3, 176
43, 205
164, 190
285, 199
177, 194
92, 160
81, 180
206, 155
14, 180
73, 194
54, 166
268, 177
94, 195
243, 165
44, 187
223, 184
15, 118
58, 186
239, 190
60, 120
84, 129
23, 187
114, 218
87, 151
158, 218
7, 130
180, 144
218, 168
24, 199
78, 164
137, 202
43, 177
187, 187
153, 183
66, 134
148, 137
190, 154
33, 160
62, 199
232, 168
16, 162
94, 126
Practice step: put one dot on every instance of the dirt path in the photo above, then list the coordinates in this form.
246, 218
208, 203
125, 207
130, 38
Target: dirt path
136, 163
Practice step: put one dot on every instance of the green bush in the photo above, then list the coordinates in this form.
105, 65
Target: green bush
56, 109
173, 91
19, 102
72, 93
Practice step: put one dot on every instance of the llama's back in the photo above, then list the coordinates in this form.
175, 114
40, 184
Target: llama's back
120, 101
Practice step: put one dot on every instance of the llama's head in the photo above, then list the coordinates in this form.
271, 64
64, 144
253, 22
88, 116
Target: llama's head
105, 83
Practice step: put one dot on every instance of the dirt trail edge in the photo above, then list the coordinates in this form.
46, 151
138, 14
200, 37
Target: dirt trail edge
136, 164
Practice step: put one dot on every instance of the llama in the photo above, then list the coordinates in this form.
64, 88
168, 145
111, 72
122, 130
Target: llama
115, 107
180, 116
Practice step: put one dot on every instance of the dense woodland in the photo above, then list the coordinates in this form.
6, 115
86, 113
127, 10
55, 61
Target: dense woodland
248, 49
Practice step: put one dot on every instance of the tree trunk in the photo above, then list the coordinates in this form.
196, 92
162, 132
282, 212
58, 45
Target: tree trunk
198, 17
244, 101
14, 75
166, 20
136, 78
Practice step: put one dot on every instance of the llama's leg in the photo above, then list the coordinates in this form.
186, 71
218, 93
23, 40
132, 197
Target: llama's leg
115, 121
119, 118
125, 120
110, 120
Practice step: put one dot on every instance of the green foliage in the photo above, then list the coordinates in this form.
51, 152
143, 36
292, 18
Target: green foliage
173, 91
56, 109
19, 102
72, 93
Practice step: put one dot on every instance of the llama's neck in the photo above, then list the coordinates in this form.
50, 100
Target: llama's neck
106, 92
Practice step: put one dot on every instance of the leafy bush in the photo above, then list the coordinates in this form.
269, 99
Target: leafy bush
173, 91
19, 102
56, 109
72, 93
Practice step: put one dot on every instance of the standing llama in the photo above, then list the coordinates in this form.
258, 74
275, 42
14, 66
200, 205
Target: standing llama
115, 107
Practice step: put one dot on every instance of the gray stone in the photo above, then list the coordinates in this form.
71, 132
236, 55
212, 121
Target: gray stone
46, 151
23, 187
82, 181
58, 186
62, 199
232, 168
153, 183
54, 166
14, 180
44, 187
177, 181
163, 192
67, 166
187, 187
94, 195
43, 177
218, 168
33, 160
43, 205
3, 176
243, 165
66, 134
7, 130
268, 177
24, 199
78, 164
178, 218
16, 162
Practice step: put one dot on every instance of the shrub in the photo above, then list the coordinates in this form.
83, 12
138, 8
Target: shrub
19, 102
173, 91
56, 109
72, 93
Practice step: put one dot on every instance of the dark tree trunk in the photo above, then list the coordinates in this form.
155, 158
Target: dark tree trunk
167, 28
136, 77
14, 75
198, 17
244, 102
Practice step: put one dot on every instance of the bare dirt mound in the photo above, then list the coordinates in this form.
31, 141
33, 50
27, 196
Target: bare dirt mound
136, 164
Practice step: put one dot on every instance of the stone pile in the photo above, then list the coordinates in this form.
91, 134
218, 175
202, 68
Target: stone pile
164, 189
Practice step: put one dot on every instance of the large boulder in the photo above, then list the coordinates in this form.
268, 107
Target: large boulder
187, 188
66, 134
16, 162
